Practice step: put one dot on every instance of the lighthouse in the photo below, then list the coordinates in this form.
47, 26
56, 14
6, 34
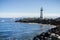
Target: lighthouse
41, 13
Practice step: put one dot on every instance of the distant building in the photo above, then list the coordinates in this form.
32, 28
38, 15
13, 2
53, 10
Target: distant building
41, 13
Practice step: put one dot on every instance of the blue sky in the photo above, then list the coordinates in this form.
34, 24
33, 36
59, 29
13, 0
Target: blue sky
29, 8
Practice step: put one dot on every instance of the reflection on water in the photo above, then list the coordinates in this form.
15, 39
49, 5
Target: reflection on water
21, 31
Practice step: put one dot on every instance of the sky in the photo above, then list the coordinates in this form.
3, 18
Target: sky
29, 8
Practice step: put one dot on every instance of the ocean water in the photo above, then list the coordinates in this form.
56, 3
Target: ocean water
10, 30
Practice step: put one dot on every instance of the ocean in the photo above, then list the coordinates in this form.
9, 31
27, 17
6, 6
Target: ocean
11, 30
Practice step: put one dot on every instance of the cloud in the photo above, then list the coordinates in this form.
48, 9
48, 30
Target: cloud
10, 15
18, 15
52, 15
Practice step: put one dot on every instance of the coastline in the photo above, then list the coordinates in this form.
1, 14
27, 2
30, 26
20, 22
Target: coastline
52, 34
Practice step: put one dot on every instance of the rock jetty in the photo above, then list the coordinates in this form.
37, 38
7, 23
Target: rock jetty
55, 21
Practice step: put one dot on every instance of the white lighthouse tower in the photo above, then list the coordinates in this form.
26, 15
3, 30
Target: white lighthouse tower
41, 13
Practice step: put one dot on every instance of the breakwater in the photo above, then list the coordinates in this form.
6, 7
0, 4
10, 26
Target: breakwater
55, 21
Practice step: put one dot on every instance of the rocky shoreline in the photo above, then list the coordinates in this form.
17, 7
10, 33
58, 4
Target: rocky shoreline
55, 21
52, 34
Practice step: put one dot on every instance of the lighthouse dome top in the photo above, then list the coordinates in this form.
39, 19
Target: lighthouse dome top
41, 8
